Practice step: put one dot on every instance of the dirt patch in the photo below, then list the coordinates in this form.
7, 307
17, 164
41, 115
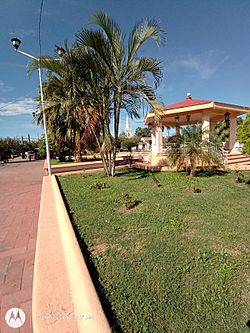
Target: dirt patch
233, 252
138, 246
190, 232
102, 248
245, 297
124, 210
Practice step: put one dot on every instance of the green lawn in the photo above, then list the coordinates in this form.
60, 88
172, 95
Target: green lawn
57, 162
178, 261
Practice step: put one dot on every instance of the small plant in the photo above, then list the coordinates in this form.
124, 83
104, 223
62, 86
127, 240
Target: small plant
196, 190
195, 187
240, 178
127, 201
99, 186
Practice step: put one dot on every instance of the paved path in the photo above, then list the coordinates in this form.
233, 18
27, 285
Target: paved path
20, 190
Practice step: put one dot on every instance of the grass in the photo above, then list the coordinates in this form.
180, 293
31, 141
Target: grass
57, 162
178, 261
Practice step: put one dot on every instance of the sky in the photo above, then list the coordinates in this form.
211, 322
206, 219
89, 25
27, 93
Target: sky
207, 50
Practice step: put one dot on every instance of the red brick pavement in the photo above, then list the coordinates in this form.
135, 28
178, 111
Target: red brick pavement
20, 191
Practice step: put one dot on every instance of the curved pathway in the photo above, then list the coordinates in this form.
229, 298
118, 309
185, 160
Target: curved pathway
20, 191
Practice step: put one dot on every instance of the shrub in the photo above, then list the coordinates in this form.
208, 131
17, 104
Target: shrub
127, 201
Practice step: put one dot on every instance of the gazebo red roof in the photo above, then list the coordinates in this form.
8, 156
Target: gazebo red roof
195, 108
187, 102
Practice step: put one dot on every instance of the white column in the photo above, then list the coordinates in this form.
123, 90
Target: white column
158, 139
153, 148
205, 127
233, 129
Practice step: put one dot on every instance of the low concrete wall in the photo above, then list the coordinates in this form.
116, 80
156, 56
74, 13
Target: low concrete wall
64, 168
64, 297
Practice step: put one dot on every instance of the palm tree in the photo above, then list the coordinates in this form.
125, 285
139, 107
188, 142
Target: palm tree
64, 111
189, 151
127, 73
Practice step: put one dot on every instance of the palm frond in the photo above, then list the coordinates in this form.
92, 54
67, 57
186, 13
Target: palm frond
113, 33
142, 31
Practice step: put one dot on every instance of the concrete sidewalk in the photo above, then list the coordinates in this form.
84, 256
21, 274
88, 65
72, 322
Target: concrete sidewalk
20, 191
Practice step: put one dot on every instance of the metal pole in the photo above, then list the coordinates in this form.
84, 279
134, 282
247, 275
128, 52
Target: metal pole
43, 108
44, 120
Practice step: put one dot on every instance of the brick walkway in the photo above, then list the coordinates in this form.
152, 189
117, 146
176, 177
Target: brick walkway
20, 190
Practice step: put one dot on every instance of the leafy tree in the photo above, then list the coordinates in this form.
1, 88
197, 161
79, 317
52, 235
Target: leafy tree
129, 143
190, 151
222, 130
97, 78
145, 131
127, 73
64, 107
243, 134
14, 146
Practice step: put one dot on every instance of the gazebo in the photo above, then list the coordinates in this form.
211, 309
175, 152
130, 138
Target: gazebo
193, 111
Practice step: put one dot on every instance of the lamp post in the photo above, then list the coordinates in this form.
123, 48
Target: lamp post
177, 119
16, 43
227, 118
60, 51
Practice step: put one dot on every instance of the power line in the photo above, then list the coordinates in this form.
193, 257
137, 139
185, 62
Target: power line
16, 100
39, 28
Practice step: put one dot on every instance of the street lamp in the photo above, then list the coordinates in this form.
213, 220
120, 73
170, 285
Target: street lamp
227, 118
60, 51
16, 43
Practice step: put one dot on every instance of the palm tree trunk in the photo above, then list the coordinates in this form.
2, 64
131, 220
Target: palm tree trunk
77, 149
104, 159
117, 108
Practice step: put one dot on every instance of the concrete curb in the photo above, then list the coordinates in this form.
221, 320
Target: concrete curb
64, 297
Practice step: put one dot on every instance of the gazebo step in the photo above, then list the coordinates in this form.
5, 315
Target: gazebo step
238, 159
239, 167
243, 157
240, 163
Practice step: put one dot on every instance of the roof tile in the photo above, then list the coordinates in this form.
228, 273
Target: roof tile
187, 102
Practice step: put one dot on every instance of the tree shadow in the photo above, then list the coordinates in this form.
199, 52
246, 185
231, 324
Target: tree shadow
100, 289
134, 174
211, 173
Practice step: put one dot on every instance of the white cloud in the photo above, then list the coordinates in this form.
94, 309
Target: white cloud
23, 106
23, 33
4, 88
205, 65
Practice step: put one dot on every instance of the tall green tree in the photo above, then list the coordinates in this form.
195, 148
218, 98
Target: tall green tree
129, 143
65, 113
127, 72
143, 131
243, 134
